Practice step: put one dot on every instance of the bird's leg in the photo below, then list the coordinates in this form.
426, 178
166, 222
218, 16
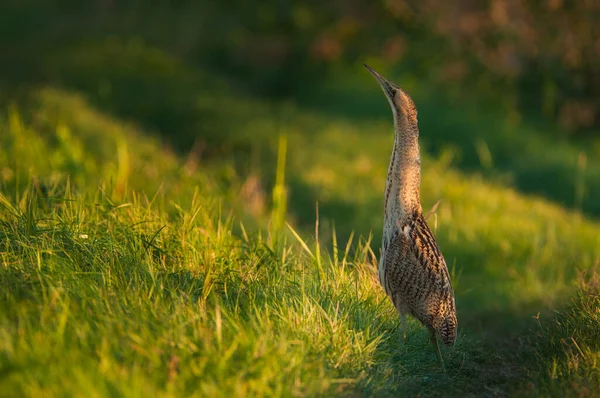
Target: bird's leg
403, 327
434, 341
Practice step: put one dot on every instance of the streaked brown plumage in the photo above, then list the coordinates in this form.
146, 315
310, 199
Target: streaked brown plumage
412, 269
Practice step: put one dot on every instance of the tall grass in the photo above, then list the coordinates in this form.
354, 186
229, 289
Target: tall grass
124, 270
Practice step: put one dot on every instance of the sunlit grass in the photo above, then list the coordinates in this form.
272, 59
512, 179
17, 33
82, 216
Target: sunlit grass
131, 269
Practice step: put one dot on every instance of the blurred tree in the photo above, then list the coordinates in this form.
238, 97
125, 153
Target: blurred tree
545, 54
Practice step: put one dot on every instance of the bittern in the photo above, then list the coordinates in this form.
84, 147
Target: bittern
412, 269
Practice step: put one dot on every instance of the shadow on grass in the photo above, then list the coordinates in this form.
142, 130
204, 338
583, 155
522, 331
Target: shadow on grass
492, 356
498, 316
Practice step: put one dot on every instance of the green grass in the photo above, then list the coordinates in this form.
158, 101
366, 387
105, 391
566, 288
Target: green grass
131, 268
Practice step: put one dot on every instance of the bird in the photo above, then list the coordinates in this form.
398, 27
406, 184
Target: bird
412, 269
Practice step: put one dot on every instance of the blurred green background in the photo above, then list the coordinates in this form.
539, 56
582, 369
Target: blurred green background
481, 72
152, 152
535, 58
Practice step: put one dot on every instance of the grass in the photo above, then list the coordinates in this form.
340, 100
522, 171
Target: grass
132, 268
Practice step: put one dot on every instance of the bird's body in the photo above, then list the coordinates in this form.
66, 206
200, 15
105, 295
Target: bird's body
414, 275
412, 269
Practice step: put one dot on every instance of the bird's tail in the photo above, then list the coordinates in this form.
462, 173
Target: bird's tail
448, 330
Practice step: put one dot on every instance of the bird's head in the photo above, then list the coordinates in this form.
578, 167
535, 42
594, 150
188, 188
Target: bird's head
401, 103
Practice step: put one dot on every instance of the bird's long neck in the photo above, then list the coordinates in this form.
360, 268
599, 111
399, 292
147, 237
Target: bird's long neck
402, 197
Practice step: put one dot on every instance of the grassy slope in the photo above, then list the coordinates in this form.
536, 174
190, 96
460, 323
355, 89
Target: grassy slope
122, 274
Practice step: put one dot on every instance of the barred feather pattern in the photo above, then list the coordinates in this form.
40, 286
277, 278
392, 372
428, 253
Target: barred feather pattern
412, 269
415, 276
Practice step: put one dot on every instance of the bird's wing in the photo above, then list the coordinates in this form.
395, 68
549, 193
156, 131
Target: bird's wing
427, 252
437, 309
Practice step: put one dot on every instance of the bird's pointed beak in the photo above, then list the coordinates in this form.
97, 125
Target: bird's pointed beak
388, 88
